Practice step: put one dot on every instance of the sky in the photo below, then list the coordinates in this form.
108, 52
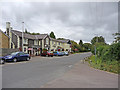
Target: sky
70, 20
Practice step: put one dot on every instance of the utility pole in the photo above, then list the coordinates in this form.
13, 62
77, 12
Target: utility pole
22, 36
95, 47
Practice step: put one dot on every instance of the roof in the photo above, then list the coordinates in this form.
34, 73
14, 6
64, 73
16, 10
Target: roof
65, 40
29, 36
54, 39
62, 41
4, 33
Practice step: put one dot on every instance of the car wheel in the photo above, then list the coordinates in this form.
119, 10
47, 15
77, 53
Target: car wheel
28, 59
2, 62
15, 60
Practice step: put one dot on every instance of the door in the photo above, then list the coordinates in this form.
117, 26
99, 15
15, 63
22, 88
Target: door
22, 56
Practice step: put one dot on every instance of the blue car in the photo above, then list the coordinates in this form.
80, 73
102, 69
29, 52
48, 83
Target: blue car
2, 61
17, 56
56, 53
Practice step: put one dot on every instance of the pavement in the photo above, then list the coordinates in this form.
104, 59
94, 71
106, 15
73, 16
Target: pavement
56, 72
83, 76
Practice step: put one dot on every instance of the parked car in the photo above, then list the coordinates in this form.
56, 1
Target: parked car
2, 61
50, 54
46, 53
57, 53
17, 56
66, 53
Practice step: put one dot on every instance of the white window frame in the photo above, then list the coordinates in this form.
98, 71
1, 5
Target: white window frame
35, 42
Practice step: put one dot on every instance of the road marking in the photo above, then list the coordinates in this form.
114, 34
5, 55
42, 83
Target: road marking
70, 66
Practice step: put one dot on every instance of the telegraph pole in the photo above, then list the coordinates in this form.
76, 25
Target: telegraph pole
95, 47
22, 36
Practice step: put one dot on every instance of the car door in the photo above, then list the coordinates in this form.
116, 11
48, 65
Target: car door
21, 56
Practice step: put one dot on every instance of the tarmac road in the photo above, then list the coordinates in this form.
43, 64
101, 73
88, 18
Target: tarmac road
38, 71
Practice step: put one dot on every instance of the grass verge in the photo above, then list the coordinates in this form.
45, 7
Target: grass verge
110, 66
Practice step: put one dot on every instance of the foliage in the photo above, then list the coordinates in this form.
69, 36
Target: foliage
31, 33
110, 66
52, 35
109, 52
60, 38
87, 46
117, 37
80, 48
81, 43
44, 49
97, 40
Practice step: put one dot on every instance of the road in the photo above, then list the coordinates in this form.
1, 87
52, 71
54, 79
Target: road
38, 71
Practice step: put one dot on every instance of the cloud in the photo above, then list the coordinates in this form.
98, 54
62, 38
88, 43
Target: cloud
73, 20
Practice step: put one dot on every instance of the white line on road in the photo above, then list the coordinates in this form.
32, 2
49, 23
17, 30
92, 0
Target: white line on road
70, 66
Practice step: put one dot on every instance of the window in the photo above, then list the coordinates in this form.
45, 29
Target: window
25, 41
35, 42
47, 40
21, 53
39, 42
24, 49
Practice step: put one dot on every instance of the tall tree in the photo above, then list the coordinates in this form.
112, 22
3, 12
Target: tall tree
98, 40
52, 35
81, 43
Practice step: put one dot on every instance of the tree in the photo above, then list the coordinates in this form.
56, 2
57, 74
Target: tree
52, 35
87, 46
97, 40
60, 38
26, 31
81, 43
117, 37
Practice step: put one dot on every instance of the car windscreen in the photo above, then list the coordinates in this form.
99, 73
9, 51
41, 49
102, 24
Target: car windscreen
14, 53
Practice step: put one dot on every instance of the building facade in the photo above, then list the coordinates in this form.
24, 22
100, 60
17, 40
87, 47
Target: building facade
64, 45
34, 44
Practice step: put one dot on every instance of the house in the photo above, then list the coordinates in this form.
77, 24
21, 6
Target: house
4, 40
55, 44
32, 44
5, 44
66, 44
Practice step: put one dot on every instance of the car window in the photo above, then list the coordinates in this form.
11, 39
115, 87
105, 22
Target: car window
21, 53
14, 53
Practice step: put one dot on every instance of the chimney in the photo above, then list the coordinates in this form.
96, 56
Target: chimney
8, 28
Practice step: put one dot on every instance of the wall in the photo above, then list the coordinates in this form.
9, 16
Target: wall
4, 41
6, 51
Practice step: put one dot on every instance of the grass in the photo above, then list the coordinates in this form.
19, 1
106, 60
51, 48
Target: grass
110, 66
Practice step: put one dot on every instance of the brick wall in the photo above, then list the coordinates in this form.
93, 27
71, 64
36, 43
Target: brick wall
6, 51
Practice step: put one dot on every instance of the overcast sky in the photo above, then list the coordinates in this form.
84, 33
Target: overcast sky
71, 20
